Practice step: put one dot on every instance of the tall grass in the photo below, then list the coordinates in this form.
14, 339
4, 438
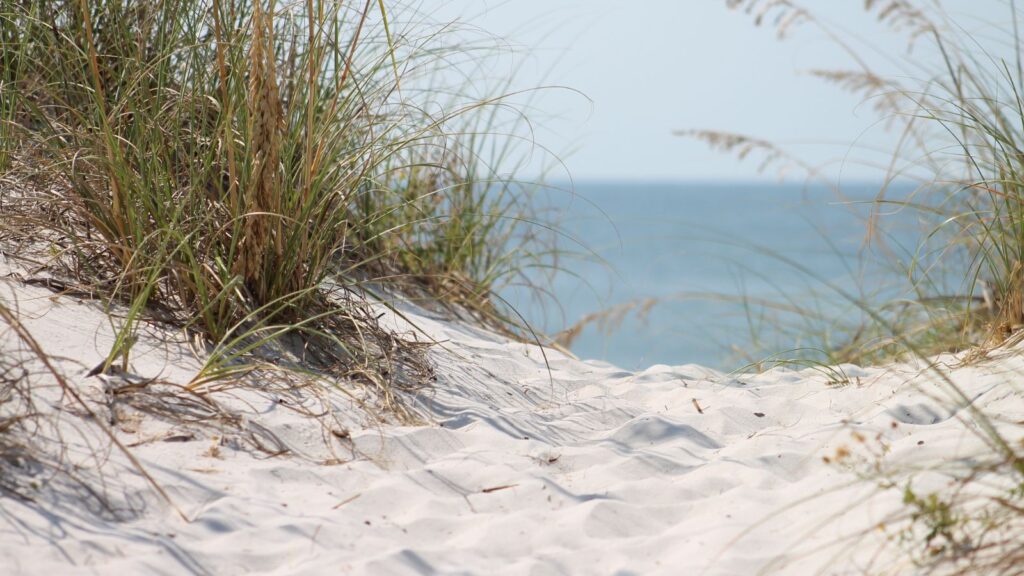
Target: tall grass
219, 160
961, 130
957, 109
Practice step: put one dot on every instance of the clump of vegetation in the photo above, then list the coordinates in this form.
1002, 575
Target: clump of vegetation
957, 110
247, 168
961, 126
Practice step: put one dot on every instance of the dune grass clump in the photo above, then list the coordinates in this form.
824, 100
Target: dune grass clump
961, 127
244, 168
957, 109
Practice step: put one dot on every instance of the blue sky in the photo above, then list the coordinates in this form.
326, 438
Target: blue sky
649, 67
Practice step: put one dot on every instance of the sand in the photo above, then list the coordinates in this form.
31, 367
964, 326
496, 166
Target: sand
523, 466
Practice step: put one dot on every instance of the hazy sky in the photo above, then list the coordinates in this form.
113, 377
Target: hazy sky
650, 67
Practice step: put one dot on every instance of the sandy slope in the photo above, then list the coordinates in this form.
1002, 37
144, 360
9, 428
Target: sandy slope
571, 468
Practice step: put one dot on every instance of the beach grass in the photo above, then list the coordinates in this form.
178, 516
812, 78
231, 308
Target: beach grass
250, 168
959, 111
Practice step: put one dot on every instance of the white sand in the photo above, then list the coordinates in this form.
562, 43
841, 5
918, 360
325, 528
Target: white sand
586, 469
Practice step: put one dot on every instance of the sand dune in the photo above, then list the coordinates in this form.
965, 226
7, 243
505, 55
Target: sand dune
525, 467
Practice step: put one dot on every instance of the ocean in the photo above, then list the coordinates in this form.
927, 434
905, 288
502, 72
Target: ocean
723, 262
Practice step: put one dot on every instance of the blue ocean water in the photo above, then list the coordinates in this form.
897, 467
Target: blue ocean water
710, 254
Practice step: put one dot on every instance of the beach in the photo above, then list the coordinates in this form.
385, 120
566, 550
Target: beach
518, 288
526, 462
